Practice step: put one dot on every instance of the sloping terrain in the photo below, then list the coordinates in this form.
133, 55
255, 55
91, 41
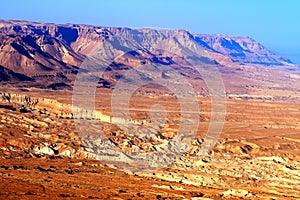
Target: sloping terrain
8, 75
242, 49
52, 54
256, 157
44, 153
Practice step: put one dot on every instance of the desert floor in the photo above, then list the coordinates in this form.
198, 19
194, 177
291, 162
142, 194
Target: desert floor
256, 156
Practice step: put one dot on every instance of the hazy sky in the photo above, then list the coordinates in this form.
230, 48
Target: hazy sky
275, 24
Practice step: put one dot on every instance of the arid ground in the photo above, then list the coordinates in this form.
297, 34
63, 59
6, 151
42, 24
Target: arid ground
58, 143
256, 156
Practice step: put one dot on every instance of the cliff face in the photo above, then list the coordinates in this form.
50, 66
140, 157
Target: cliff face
242, 49
53, 52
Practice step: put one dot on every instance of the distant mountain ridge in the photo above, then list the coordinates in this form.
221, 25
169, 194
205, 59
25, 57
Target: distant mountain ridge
53, 53
243, 49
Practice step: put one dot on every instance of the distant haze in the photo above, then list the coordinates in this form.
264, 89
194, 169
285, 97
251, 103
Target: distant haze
293, 53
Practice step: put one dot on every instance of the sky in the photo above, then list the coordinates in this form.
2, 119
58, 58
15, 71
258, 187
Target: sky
274, 23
